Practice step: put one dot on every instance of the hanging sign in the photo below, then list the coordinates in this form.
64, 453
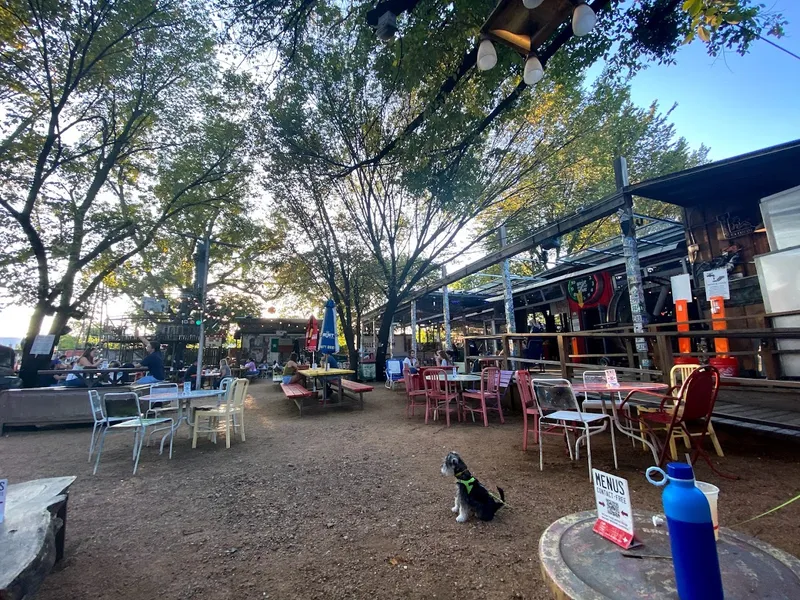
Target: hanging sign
681, 287
716, 282
43, 344
3, 488
614, 513
273, 345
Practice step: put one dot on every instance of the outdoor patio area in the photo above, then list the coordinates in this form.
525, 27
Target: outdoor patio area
348, 504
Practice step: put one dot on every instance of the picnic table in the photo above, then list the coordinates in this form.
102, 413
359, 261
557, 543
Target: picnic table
94, 377
327, 375
32, 534
580, 565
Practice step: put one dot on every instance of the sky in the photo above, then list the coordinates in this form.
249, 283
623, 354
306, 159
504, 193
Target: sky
732, 104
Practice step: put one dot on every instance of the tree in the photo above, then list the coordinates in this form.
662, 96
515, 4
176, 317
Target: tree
103, 143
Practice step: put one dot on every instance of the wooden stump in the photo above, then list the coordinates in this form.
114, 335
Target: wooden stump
32, 534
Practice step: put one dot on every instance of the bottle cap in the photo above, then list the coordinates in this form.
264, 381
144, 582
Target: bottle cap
678, 470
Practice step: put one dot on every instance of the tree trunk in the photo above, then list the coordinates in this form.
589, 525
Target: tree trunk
32, 364
383, 340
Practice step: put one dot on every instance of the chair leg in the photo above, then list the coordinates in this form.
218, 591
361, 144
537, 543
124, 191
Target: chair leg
228, 431
500, 410
171, 439
673, 449
138, 449
93, 440
241, 426
613, 441
541, 449
427, 410
100, 450
524, 430
447, 412
537, 437
713, 435
588, 448
485, 412
196, 428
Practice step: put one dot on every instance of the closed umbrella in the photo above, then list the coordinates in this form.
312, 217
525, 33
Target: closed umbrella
312, 336
329, 338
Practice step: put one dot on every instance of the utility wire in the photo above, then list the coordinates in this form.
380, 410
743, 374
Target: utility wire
779, 47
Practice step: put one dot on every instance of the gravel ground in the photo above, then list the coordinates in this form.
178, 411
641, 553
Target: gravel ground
345, 504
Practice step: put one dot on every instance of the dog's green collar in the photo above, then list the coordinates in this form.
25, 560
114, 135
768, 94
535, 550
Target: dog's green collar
467, 483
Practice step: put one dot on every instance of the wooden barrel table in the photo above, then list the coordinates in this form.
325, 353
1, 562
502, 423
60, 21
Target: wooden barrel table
578, 564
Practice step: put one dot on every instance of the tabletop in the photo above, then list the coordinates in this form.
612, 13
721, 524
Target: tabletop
90, 371
324, 373
181, 395
580, 565
624, 386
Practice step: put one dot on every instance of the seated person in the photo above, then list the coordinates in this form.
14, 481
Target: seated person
86, 361
250, 367
191, 375
290, 374
332, 362
410, 363
153, 362
442, 359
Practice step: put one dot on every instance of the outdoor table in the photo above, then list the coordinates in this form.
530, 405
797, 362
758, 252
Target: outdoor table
324, 375
184, 401
97, 373
458, 379
580, 565
623, 387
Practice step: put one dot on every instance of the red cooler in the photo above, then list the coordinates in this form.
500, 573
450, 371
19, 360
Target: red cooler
727, 366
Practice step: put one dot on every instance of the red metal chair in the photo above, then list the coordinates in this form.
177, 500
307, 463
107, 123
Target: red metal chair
439, 394
489, 396
415, 395
690, 413
529, 408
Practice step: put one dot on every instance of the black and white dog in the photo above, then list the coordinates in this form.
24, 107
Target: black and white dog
471, 496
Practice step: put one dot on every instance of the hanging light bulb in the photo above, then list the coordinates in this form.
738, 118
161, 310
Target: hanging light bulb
487, 57
583, 19
532, 3
534, 71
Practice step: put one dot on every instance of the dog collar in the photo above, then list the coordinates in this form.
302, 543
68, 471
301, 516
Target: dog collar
467, 483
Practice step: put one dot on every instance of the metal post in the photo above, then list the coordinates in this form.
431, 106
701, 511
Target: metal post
632, 268
374, 340
390, 349
414, 327
448, 342
508, 294
202, 339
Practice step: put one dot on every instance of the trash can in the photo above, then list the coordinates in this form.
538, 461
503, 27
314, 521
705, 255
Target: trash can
727, 366
366, 371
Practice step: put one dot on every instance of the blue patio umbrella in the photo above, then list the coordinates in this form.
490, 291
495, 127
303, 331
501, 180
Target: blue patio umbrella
329, 337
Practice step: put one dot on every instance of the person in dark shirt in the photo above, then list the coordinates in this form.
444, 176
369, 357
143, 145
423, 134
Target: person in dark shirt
191, 375
153, 362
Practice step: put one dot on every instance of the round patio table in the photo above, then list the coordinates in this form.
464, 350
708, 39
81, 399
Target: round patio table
580, 565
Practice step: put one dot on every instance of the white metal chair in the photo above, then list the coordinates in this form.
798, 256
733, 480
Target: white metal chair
228, 410
162, 389
100, 420
589, 404
124, 406
558, 407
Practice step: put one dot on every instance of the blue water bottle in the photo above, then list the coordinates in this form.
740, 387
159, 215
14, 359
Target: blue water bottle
691, 534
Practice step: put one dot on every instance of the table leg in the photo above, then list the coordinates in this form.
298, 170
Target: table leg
62, 532
341, 392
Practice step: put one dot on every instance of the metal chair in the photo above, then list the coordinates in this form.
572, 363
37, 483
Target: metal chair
600, 378
413, 392
100, 420
488, 395
227, 411
558, 408
124, 407
439, 394
168, 405
529, 408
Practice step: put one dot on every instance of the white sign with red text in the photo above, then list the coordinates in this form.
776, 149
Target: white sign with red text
614, 513
611, 378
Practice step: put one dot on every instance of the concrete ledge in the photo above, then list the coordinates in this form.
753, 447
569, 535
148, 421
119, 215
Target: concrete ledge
42, 407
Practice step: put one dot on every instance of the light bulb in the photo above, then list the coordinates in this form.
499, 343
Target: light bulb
487, 57
534, 71
532, 3
583, 19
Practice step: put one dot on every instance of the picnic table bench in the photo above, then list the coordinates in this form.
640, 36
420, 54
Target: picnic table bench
32, 534
355, 389
296, 392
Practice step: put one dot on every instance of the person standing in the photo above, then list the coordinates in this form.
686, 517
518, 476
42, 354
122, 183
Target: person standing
153, 362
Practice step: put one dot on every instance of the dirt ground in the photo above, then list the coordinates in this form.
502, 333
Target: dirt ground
346, 504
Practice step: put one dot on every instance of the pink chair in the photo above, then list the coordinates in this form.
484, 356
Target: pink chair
414, 394
529, 408
489, 396
439, 394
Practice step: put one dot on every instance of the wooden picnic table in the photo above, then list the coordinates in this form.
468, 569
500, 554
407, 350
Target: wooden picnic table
326, 374
95, 376
578, 564
32, 534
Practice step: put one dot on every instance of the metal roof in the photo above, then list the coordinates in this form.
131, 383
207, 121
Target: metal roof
733, 181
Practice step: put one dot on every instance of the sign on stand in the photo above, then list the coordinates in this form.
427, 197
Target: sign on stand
611, 377
716, 282
43, 345
3, 488
614, 513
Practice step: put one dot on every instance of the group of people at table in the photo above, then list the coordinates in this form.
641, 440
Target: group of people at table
152, 365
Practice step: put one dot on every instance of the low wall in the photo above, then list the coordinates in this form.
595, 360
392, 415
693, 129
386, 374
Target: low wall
48, 406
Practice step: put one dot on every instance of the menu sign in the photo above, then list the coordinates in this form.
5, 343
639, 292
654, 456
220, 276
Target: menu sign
614, 513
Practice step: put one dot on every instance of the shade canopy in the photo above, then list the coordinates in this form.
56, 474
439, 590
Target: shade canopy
329, 337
